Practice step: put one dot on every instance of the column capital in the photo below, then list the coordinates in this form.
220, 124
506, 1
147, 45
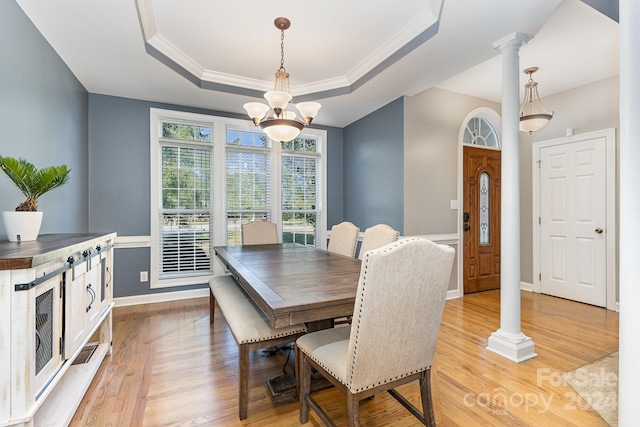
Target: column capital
512, 40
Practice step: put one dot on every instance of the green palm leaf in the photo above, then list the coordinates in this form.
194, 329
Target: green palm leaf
31, 181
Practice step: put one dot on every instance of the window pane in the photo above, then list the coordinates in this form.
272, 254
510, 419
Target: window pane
298, 183
170, 156
170, 199
299, 228
480, 132
306, 144
203, 134
186, 199
248, 180
484, 208
186, 132
246, 139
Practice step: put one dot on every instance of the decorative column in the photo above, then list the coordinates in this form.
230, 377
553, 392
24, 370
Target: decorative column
629, 368
509, 341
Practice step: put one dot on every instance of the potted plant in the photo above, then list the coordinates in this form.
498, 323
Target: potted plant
23, 224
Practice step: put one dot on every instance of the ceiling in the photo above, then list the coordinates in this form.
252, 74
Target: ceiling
352, 56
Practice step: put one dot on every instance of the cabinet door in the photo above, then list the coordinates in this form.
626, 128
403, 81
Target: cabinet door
75, 304
92, 284
48, 330
106, 279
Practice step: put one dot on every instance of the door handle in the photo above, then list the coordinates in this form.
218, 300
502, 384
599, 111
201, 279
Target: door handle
467, 227
599, 230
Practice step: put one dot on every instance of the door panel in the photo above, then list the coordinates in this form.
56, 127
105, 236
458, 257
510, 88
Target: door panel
481, 200
572, 209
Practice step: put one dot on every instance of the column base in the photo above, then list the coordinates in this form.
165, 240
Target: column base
517, 348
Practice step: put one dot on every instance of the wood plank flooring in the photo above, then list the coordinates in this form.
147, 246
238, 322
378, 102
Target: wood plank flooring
171, 368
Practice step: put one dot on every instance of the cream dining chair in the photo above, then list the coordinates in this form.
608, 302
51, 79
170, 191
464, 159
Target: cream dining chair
399, 304
259, 233
344, 239
377, 236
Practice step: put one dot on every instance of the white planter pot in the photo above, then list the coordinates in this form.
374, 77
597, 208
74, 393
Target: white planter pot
22, 226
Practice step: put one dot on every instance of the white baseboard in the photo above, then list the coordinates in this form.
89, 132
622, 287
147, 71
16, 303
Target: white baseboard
526, 286
161, 297
453, 294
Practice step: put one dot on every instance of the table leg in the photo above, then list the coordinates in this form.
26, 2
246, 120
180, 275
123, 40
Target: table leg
284, 388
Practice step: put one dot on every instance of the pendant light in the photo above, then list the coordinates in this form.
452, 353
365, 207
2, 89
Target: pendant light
533, 115
279, 120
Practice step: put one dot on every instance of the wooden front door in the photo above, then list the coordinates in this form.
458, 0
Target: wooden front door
481, 216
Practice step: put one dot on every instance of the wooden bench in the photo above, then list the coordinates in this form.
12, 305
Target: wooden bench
249, 327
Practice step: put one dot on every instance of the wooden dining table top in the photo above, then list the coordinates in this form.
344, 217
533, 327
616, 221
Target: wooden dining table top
293, 283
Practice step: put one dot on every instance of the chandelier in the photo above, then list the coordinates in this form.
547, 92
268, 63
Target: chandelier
533, 115
278, 122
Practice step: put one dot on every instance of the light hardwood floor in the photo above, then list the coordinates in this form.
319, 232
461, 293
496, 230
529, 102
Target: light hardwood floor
171, 368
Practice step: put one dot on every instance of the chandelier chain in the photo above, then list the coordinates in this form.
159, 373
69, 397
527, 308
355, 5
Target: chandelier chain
282, 51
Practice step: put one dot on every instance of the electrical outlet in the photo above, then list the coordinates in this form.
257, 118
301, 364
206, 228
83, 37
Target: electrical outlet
144, 276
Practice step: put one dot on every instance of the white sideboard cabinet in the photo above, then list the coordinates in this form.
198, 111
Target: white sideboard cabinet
56, 298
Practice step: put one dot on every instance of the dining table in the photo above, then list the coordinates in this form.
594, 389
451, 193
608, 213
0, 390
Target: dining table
293, 283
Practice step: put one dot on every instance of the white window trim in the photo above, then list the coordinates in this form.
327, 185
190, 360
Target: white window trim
219, 126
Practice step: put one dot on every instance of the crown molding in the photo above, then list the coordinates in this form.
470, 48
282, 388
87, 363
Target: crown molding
415, 33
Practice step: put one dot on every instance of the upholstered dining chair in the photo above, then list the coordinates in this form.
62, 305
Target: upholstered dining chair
259, 233
377, 236
344, 239
399, 304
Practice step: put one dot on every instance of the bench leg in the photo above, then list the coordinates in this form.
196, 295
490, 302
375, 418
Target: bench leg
243, 385
212, 306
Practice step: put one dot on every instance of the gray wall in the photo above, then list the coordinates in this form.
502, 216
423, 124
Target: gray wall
373, 168
120, 180
432, 124
43, 117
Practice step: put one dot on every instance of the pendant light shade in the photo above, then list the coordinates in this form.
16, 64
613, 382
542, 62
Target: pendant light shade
533, 115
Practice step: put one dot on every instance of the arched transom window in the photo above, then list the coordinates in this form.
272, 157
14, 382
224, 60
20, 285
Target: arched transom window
479, 131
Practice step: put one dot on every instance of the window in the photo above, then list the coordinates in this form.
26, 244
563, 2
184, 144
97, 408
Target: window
301, 191
248, 181
184, 218
480, 132
211, 174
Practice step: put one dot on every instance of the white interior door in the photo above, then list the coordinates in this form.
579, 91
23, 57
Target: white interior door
573, 258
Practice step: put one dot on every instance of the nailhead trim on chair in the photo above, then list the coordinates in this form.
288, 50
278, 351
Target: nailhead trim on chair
357, 329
